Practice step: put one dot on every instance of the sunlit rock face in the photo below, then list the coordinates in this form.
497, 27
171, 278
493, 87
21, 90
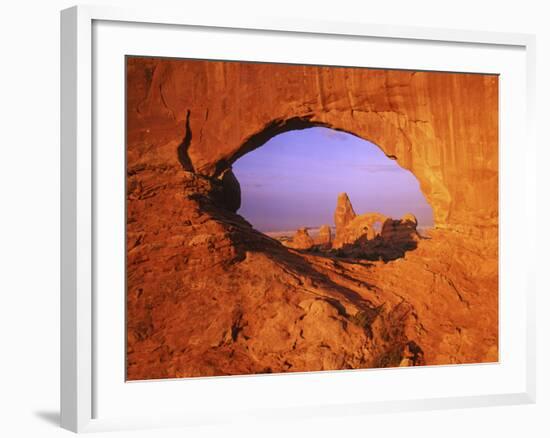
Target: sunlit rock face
301, 240
209, 295
442, 127
372, 236
344, 213
360, 227
324, 240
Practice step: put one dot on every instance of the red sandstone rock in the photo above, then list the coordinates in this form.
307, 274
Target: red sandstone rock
344, 213
324, 240
443, 127
409, 217
361, 238
362, 227
208, 295
301, 240
400, 232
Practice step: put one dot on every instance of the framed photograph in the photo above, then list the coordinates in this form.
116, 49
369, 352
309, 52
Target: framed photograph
271, 219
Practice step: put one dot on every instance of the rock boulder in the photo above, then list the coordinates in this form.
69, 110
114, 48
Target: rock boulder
301, 240
324, 240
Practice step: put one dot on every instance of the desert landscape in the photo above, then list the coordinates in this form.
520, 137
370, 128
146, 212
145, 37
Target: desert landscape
209, 294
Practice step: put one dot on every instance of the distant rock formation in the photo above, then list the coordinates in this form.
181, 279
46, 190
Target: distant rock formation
363, 227
344, 213
409, 217
301, 240
372, 235
401, 233
324, 240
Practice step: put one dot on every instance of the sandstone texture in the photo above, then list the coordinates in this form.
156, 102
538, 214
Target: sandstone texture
209, 295
368, 225
372, 236
344, 213
324, 240
400, 232
301, 240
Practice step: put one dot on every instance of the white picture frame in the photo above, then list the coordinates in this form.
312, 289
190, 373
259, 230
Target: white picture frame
80, 174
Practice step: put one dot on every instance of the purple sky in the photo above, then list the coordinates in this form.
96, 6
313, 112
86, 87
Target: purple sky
293, 181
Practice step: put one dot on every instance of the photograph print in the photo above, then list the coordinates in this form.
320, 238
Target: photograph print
297, 218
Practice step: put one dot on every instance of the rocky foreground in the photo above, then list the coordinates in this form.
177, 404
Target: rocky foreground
220, 298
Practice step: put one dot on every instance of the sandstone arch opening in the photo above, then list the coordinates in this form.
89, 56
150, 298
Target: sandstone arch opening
324, 190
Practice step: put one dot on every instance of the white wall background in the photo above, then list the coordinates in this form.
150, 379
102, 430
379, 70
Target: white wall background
29, 217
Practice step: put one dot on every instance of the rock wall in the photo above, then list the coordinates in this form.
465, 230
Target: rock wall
443, 127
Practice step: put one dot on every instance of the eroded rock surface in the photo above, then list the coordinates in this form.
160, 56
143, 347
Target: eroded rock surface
324, 240
365, 226
301, 240
343, 214
373, 236
401, 232
209, 295
442, 127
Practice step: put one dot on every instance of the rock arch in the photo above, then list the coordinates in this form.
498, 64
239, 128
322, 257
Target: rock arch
187, 258
215, 112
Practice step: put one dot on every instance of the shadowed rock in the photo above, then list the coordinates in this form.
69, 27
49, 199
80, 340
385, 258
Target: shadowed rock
401, 233
231, 191
373, 236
